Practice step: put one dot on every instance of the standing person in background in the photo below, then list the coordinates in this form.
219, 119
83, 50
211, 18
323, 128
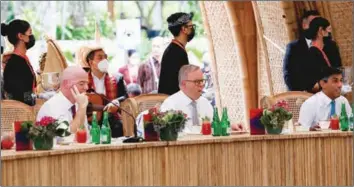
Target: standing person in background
175, 56
149, 72
130, 70
19, 77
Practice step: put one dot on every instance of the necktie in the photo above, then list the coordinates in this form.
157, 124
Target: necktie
195, 113
333, 108
73, 110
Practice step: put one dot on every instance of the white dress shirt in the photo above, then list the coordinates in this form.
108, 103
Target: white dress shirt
59, 107
99, 84
180, 101
318, 107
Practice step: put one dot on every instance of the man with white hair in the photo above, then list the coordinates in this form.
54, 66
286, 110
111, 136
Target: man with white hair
149, 71
189, 99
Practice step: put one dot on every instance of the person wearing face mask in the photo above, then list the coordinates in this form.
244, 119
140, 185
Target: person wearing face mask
296, 56
19, 76
149, 71
130, 70
319, 29
94, 59
175, 55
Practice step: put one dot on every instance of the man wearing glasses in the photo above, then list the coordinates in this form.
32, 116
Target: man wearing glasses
189, 99
175, 56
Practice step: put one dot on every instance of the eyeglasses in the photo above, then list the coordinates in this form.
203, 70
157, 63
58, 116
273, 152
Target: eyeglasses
197, 82
193, 25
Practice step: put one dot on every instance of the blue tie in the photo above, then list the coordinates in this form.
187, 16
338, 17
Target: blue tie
333, 108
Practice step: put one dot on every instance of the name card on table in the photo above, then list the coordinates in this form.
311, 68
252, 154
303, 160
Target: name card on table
256, 127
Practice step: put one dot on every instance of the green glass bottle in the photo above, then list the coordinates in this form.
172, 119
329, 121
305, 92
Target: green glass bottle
343, 119
215, 125
225, 123
95, 130
351, 119
105, 130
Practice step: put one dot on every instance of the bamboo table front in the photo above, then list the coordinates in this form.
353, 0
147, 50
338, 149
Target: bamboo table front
302, 158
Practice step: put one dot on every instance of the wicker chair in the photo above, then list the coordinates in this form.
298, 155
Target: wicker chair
39, 103
135, 106
293, 98
12, 111
349, 97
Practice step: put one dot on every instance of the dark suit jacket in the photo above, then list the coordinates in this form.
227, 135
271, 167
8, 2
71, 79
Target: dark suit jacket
298, 65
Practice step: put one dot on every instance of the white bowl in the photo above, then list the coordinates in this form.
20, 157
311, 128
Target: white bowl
324, 124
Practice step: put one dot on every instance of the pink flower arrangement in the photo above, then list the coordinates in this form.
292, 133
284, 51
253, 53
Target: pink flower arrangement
45, 121
280, 104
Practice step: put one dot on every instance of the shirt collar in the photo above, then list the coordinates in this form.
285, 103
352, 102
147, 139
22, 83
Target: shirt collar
101, 79
185, 100
325, 100
64, 102
308, 42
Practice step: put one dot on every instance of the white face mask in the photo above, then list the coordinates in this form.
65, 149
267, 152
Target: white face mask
103, 66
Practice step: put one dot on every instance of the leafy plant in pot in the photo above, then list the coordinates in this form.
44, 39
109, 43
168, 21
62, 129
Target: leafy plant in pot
168, 124
43, 132
274, 118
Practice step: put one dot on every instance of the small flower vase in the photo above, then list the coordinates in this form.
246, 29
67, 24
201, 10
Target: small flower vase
43, 143
277, 130
168, 134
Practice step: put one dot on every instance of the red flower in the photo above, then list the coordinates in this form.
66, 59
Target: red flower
46, 120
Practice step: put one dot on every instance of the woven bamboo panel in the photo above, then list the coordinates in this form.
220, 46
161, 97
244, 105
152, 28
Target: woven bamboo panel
300, 159
275, 36
263, 81
229, 74
342, 23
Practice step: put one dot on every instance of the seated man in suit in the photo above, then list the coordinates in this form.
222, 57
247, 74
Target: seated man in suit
70, 103
326, 103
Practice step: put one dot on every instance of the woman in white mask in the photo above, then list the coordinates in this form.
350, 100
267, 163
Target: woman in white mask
130, 71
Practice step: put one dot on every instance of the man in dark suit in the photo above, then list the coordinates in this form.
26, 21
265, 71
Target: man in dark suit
296, 56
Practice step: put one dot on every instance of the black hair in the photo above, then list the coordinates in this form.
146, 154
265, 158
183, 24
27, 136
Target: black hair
12, 29
131, 52
316, 23
91, 55
309, 13
175, 30
326, 72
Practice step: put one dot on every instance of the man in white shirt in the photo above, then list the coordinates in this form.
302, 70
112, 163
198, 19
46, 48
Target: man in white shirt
70, 102
189, 99
326, 103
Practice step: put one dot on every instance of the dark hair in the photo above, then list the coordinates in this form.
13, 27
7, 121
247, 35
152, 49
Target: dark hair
91, 55
131, 52
309, 13
175, 30
326, 72
12, 29
134, 89
316, 23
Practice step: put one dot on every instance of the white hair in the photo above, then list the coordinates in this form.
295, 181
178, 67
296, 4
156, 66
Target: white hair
185, 70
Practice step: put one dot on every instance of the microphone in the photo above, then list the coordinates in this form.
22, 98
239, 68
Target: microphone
135, 138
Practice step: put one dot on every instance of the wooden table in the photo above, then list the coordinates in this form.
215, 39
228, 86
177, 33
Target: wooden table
303, 158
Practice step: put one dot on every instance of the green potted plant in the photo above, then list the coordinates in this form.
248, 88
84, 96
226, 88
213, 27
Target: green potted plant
168, 124
274, 118
43, 132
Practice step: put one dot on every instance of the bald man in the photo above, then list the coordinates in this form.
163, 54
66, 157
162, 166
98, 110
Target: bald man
149, 71
70, 102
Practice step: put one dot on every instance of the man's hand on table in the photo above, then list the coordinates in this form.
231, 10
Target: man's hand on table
315, 128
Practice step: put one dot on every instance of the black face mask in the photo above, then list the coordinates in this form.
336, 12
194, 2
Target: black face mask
191, 35
31, 41
327, 38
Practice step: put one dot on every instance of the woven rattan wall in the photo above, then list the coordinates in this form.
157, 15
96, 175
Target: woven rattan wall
228, 74
341, 13
273, 32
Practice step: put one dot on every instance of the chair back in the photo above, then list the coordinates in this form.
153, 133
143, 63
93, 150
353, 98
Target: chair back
12, 111
293, 98
135, 106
